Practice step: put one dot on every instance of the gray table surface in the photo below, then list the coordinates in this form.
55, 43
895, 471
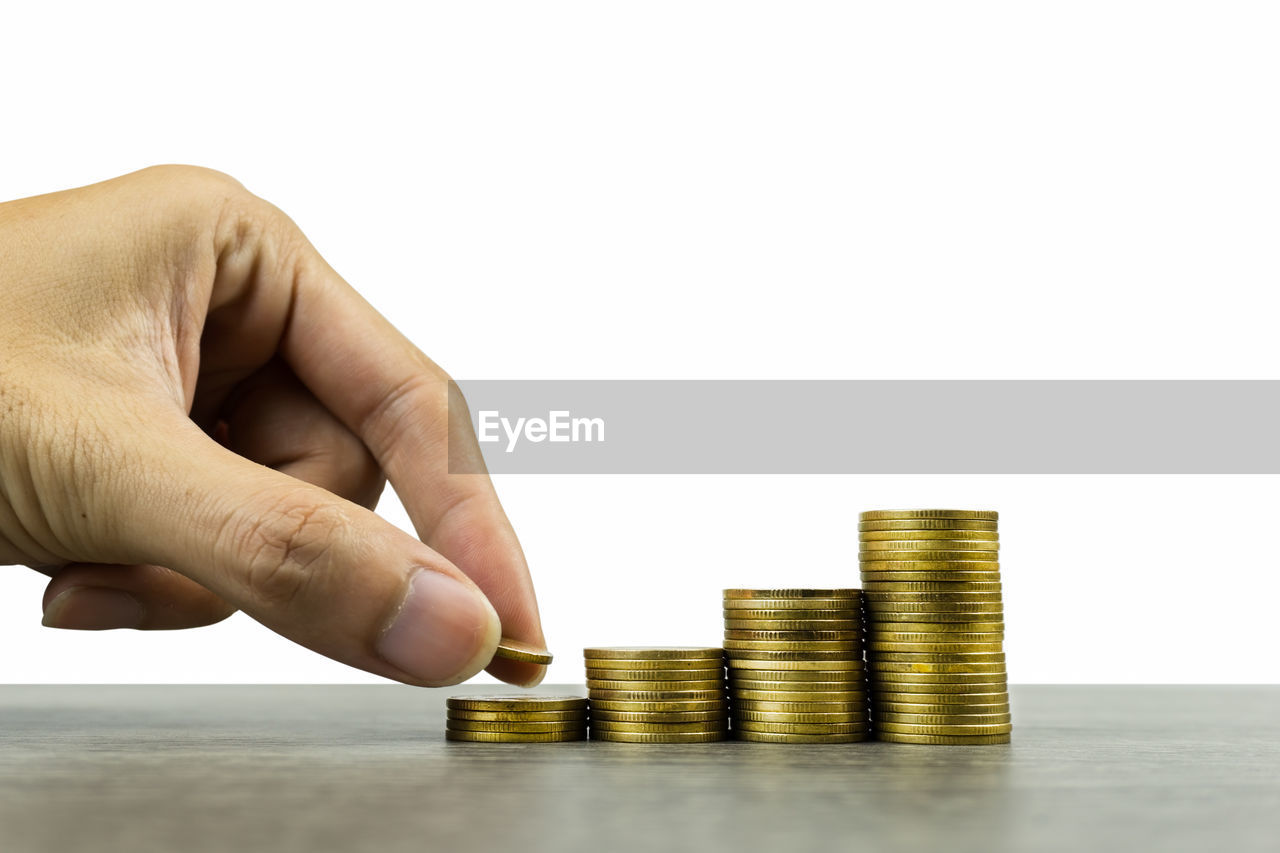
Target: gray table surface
367, 768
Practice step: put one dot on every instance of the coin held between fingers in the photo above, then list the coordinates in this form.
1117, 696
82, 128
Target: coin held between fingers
515, 650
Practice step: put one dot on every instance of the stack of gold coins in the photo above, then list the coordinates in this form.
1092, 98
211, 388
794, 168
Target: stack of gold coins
657, 694
516, 719
935, 626
795, 665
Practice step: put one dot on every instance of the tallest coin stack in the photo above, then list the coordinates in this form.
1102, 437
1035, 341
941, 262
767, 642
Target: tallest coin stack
935, 626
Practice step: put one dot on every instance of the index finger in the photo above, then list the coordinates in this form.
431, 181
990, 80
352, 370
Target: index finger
397, 400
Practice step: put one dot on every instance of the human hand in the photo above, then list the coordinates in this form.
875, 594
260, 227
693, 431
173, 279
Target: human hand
196, 414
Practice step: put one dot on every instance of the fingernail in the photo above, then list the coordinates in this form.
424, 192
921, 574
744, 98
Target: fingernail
93, 608
444, 632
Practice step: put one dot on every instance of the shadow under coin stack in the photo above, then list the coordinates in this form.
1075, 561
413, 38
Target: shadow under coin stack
935, 629
795, 665
657, 694
516, 719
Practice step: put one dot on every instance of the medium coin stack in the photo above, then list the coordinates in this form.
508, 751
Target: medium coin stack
795, 665
935, 626
516, 719
657, 694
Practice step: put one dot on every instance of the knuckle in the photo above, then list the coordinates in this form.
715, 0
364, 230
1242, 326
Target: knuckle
197, 178
289, 548
258, 235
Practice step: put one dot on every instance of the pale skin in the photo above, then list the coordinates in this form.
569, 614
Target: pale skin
198, 415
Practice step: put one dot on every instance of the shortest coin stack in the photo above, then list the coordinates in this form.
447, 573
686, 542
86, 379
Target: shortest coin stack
657, 694
516, 719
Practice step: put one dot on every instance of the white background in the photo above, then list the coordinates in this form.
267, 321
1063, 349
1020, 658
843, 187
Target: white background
739, 190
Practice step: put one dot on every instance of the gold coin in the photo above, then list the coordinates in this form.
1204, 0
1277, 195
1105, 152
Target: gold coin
938, 668
920, 704
516, 703
940, 645
660, 706
873, 664
932, 602
792, 593
598, 696
802, 728
516, 650
803, 707
957, 596
655, 674
886, 614
598, 714
942, 740
940, 694
877, 559
815, 660
659, 737
895, 514
852, 646
801, 695
875, 587
939, 709
970, 615
791, 603
860, 716
881, 677
928, 524
875, 658
508, 726
594, 684
804, 625
793, 636
928, 694
848, 616
791, 676
926, 544
738, 686
517, 716
909, 729
936, 611
775, 737
669, 728
927, 627
940, 652
659, 664
932, 556
966, 564
999, 697
870, 577
880, 685
943, 719
854, 674
951, 535
834, 663
931, 637
634, 653
516, 737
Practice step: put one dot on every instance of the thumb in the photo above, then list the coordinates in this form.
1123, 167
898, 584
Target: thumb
318, 569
